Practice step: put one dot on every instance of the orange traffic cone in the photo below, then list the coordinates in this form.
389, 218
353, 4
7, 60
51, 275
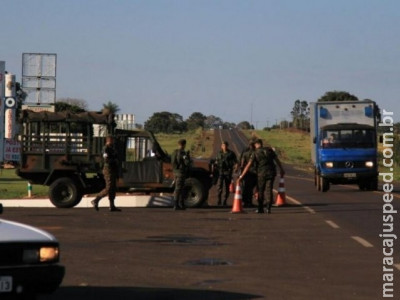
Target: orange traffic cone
281, 197
237, 200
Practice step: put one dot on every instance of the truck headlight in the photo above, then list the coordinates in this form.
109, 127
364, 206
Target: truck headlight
369, 164
329, 164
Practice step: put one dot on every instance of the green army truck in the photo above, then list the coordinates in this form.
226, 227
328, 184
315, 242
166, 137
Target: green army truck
64, 151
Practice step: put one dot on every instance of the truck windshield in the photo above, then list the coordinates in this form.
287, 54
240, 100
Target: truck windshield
348, 138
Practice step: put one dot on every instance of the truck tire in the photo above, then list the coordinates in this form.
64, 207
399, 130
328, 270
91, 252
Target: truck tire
324, 184
317, 182
195, 192
362, 185
373, 184
64, 193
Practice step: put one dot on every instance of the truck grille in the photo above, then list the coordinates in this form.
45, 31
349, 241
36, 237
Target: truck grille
349, 164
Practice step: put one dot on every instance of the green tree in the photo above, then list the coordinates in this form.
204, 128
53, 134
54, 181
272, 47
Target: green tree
337, 96
64, 106
75, 102
245, 125
195, 121
212, 122
301, 114
165, 122
111, 107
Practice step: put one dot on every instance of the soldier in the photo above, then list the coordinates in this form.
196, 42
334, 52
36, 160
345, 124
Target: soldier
250, 178
110, 172
226, 162
264, 158
181, 165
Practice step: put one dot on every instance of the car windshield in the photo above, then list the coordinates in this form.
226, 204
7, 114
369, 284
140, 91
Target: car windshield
348, 138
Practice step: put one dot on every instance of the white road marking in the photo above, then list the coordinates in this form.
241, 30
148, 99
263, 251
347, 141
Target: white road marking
307, 208
362, 241
332, 224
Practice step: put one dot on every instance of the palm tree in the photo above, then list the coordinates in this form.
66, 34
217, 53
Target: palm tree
110, 107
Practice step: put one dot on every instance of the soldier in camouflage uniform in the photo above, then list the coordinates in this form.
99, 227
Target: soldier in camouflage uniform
264, 158
250, 179
110, 172
180, 160
226, 162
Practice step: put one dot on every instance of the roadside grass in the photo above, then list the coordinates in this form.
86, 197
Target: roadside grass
13, 187
198, 142
292, 146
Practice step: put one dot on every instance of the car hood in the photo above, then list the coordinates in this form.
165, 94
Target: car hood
17, 232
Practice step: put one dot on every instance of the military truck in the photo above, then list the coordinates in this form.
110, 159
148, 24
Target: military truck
64, 151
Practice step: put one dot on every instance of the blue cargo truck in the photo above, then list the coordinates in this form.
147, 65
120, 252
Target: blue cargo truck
344, 143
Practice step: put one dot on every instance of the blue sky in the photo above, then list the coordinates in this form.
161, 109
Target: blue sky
238, 60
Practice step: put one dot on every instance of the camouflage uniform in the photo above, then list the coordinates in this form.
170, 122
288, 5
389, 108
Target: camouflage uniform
266, 171
250, 178
225, 162
181, 165
110, 173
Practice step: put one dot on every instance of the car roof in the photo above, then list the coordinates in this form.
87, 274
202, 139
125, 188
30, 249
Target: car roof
18, 232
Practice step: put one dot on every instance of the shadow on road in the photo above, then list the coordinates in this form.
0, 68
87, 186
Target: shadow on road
139, 293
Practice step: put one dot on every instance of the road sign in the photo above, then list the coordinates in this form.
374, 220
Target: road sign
38, 108
39, 77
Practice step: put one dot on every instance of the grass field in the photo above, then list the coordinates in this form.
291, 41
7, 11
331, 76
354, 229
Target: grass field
292, 146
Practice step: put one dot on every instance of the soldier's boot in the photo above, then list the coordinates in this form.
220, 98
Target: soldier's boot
182, 204
260, 209
225, 202
113, 207
269, 207
176, 205
219, 201
95, 203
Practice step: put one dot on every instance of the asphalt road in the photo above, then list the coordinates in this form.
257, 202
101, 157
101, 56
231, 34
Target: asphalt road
318, 246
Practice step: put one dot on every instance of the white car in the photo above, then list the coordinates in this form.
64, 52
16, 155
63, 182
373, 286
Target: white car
29, 260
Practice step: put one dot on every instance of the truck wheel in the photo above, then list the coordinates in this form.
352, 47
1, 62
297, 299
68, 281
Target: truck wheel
373, 184
324, 183
317, 180
195, 193
362, 185
64, 193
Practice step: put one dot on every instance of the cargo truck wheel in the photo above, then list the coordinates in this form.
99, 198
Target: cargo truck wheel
373, 184
195, 193
362, 185
64, 193
324, 184
317, 180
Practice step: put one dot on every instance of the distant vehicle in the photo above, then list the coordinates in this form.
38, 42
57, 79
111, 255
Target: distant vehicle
64, 152
344, 143
29, 261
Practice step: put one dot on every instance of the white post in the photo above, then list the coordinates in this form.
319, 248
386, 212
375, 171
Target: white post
29, 190
2, 92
